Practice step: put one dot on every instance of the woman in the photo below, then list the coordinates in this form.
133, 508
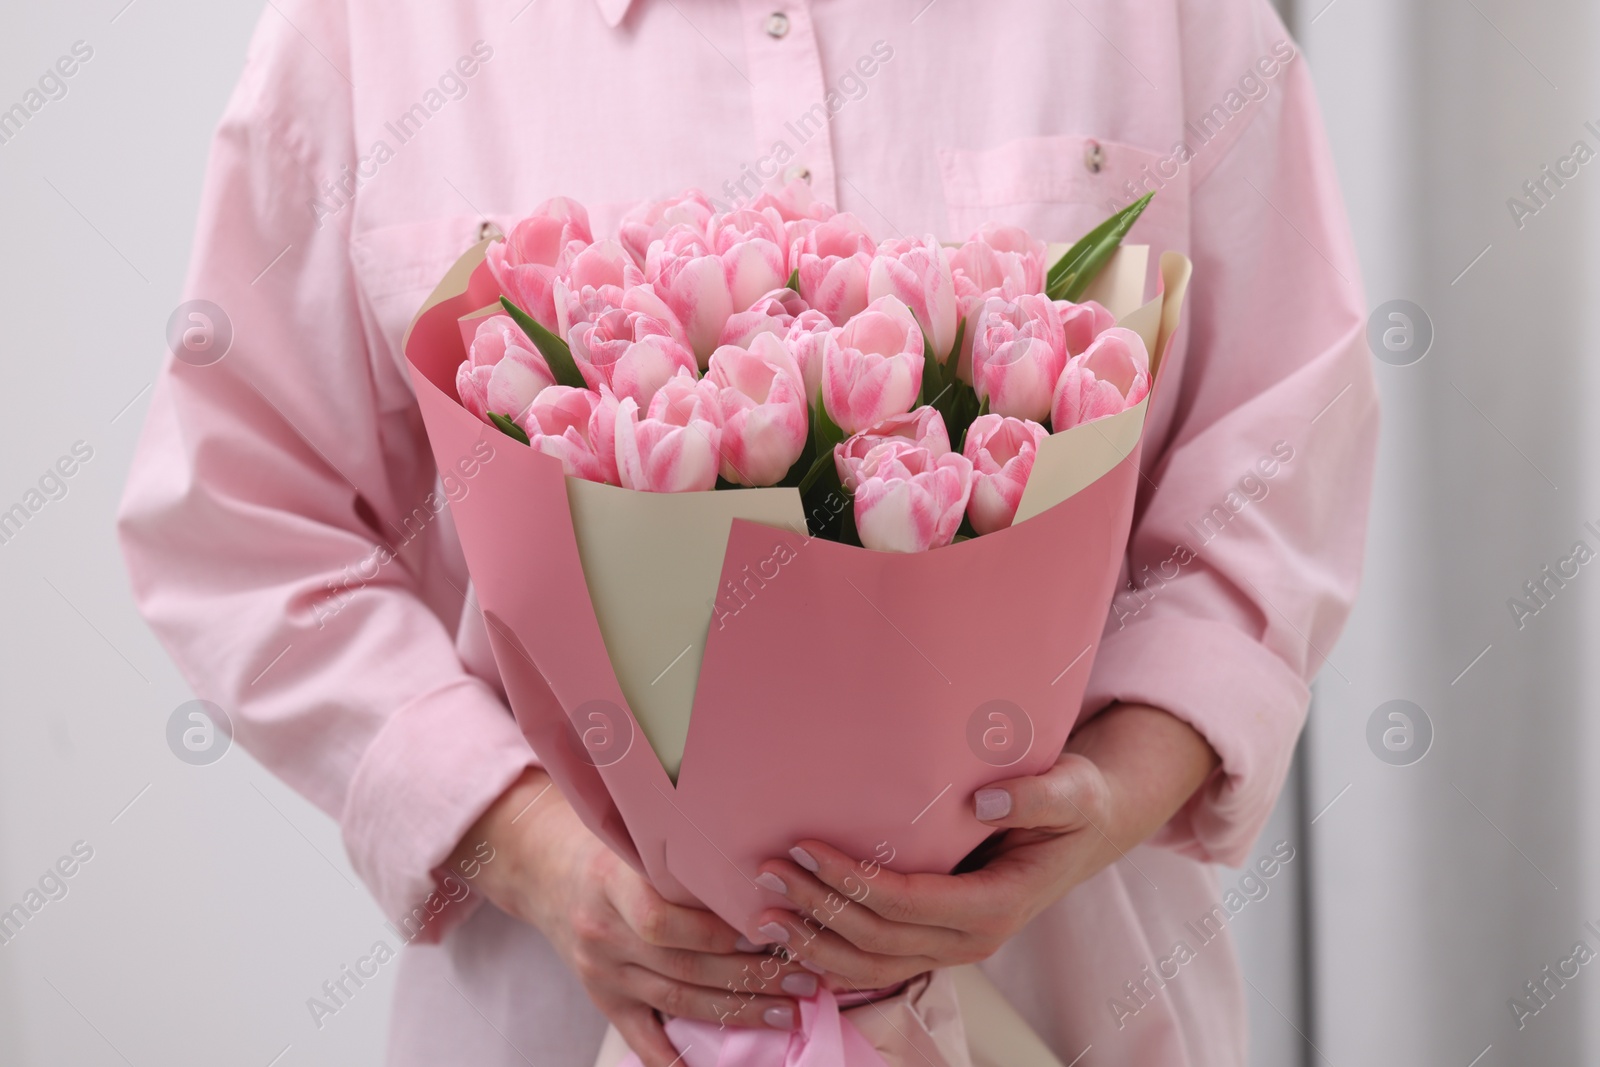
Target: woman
287, 542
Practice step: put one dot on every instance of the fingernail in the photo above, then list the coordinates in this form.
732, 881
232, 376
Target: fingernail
800, 985
768, 880
812, 967
744, 944
775, 932
992, 804
779, 1018
804, 859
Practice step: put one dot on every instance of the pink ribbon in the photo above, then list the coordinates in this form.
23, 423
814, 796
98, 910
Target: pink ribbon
824, 1039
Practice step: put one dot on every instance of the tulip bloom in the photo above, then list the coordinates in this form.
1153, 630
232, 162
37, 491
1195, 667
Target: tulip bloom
872, 366
917, 272
923, 428
561, 422
834, 261
693, 282
676, 448
807, 341
1018, 352
541, 246
503, 372
1082, 323
754, 253
1002, 451
632, 353
649, 222
774, 313
1000, 257
1110, 376
793, 203
764, 416
910, 500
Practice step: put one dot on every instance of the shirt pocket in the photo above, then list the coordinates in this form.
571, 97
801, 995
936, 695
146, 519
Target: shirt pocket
1060, 187
396, 267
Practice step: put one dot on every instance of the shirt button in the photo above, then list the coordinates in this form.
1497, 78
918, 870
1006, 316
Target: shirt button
1094, 157
797, 173
777, 24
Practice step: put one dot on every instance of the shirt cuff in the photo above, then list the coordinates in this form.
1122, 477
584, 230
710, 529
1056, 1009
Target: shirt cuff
431, 771
1245, 701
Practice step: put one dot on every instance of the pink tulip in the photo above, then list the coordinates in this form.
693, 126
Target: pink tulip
560, 423
834, 261
503, 372
676, 448
1001, 257
1002, 451
872, 366
793, 203
796, 231
1110, 376
917, 272
754, 253
693, 282
923, 428
632, 353
541, 246
910, 500
649, 222
1082, 323
807, 341
774, 313
604, 263
764, 415
1017, 355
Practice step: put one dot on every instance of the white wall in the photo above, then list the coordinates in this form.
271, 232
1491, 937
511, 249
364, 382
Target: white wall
218, 902
1441, 887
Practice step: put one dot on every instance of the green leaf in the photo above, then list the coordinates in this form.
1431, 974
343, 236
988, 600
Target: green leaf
1073, 272
507, 427
554, 350
794, 280
825, 433
818, 467
952, 363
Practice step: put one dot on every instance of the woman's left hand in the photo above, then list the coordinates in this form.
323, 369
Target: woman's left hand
1122, 776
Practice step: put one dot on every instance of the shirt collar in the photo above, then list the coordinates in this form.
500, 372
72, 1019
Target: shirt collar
613, 11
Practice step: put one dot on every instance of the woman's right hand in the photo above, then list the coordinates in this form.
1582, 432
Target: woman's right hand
635, 953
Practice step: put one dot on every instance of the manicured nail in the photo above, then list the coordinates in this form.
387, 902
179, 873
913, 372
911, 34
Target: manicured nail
768, 880
800, 985
775, 932
812, 967
804, 859
992, 804
779, 1018
744, 944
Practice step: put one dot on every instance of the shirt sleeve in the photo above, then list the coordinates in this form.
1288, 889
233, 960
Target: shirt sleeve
1246, 549
261, 520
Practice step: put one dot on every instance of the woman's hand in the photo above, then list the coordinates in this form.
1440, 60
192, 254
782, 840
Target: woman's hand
1122, 776
635, 953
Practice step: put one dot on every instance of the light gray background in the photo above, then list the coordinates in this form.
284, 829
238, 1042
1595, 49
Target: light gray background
217, 901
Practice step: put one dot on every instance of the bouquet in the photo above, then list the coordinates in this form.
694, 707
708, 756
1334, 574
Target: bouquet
812, 536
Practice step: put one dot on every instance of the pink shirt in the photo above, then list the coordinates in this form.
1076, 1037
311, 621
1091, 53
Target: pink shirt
363, 150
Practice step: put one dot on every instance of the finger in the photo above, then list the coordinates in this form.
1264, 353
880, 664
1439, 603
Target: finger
964, 902
1070, 796
656, 921
845, 967
748, 974
726, 1007
887, 923
644, 1034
